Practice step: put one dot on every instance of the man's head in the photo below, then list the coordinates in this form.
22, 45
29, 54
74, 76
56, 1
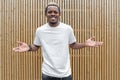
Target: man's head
52, 12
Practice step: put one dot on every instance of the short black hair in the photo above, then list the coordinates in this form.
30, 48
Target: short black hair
52, 4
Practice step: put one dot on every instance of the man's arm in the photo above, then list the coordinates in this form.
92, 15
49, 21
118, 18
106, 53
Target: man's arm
77, 45
89, 43
23, 47
33, 47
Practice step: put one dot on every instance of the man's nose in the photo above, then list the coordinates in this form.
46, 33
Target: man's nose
52, 13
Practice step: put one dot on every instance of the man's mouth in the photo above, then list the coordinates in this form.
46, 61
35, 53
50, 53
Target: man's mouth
53, 18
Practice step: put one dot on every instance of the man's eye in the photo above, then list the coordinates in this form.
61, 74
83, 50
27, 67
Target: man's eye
55, 12
49, 12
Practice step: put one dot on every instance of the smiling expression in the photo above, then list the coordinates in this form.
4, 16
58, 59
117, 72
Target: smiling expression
53, 14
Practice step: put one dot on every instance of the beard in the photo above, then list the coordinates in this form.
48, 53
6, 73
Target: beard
53, 22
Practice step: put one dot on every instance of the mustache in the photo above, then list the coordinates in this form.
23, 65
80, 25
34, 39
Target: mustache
52, 16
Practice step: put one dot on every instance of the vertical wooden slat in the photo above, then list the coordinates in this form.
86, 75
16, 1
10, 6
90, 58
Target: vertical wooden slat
0, 37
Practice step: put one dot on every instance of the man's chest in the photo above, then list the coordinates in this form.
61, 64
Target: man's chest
54, 37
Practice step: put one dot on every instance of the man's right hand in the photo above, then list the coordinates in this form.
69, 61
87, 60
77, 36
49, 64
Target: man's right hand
23, 47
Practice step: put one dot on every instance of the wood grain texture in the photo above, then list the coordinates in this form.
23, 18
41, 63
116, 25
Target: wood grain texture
101, 18
0, 39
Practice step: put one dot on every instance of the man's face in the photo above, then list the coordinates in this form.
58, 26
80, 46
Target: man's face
52, 14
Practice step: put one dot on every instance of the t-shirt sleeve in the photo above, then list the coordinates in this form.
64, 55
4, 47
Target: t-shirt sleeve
37, 39
72, 38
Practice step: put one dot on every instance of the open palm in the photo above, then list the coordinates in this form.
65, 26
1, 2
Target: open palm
91, 43
22, 48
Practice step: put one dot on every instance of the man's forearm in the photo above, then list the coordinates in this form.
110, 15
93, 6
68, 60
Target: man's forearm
33, 47
77, 45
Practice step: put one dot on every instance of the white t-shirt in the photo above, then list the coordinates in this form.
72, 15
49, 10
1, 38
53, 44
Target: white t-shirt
55, 48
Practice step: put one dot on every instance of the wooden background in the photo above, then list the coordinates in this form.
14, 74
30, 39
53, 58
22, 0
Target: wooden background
101, 18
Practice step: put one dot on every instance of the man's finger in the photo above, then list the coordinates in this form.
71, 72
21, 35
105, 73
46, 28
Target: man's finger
99, 43
17, 48
92, 38
19, 42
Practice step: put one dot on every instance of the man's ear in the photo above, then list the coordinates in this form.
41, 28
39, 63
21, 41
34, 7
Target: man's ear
60, 13
45, 14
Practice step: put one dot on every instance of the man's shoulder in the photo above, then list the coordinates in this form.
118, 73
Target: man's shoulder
42, 27
66, 25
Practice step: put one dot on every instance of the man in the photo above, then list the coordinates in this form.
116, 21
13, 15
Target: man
55, 38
